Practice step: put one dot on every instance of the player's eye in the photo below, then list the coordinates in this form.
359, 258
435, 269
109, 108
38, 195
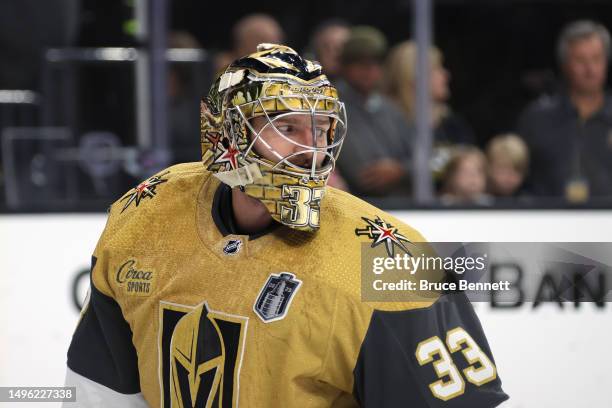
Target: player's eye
285, 128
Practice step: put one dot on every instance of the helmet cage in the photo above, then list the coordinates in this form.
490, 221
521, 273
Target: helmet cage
273, 108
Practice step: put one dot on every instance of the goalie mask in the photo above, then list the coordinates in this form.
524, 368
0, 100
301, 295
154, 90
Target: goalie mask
272, 124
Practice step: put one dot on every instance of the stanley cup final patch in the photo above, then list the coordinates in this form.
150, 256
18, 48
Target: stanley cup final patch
275, 296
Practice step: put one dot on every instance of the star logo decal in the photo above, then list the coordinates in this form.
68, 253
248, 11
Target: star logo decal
228, 155
143, 190
213, 139
381, 232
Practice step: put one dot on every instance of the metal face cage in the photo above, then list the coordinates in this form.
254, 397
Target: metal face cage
310, 157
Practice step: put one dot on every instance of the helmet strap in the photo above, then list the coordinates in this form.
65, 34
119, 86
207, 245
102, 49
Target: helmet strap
241, 176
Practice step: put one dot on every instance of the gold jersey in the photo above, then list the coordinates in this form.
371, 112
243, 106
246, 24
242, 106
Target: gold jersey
190, 315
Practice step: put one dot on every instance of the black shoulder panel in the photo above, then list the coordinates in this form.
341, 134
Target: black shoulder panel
102, 348
390, 373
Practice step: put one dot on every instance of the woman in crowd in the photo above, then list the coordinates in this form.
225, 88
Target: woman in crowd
449, 129
400, 84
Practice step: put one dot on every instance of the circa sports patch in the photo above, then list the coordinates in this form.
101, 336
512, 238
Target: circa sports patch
275, 297
135, 280
146, 189
382, 232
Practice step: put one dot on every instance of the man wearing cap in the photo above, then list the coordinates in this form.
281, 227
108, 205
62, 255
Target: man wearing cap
376, 158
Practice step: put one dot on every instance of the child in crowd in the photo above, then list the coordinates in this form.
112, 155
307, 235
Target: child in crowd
508, 158
465, 178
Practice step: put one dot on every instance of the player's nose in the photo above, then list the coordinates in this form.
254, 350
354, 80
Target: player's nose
305, 136
303, 155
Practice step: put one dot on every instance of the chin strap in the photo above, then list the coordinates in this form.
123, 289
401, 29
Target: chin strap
242, 176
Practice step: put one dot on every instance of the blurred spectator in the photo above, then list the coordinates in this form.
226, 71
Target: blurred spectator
508, 159
248, 32
400, 86
570, 135
184, 103
376, 156
465, 177
449, 129
326, 44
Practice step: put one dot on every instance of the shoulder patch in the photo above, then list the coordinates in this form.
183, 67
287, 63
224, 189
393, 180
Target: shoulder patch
381, 232
146, 189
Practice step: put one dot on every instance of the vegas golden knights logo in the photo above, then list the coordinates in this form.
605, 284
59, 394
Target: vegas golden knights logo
201, 353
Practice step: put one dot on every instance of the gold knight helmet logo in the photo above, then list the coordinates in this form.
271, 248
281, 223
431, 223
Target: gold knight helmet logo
205, 354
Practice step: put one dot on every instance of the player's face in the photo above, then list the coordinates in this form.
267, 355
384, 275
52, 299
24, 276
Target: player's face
586, 65
290, 137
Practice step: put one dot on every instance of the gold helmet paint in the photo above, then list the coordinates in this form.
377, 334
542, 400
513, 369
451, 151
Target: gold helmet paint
274, 84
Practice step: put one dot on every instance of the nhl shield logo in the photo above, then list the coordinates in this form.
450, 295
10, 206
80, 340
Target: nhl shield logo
275, 297
232, 247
